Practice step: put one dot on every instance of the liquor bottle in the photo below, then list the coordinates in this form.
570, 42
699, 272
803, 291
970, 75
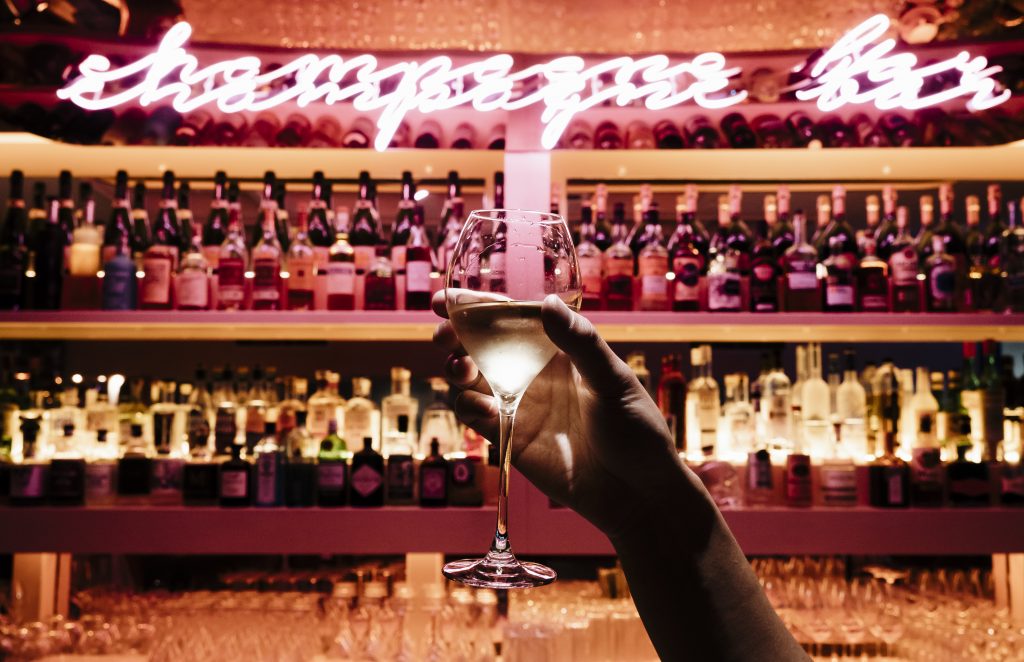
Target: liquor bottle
725, 282
268, 490
380, 289
652, 263
363, 235
300, 469
822, 226
399, 403
404, 220
953, 241
281, 218
320, 231
941, 273
49, 262
66, 213
702, 409
889, 475
903, 268
872, 214
192, 287
764, 277
140, 220
783, 233
923, 239
232, 259
667, 135
84, 253
618, 265
983, 282
737, 237
996, 227
38, 213
851, 410
967, 481
301, 264
134, 468
452, 219
738, 132
839, 228
119, 280
419, 264
993, 402
332, 469
120, 223
590, 258
701, 133
439, 421
760, 487
840, 283
65, 485
797, 476
13, 246
872, 280
602, 233
672, 398
974, 238
776, 409
886, 233
186, 223
738, 414
215, 229
161, 257
838, 478
801, 291
361, 416
434, 479
340, 269
266, 267
267, 202
234, 477
400, 488
1012, 261
815, 404
926, 482
686, 256
367, 477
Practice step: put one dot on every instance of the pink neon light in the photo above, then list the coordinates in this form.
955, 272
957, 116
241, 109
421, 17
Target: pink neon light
898, 75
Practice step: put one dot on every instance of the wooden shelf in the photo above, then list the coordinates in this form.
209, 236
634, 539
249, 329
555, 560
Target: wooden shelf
419, 326
876, 164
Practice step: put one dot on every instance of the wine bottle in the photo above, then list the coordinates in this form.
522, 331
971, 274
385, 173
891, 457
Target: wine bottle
923, 239
618, 265
840, 285
607, 136
772, 132
839, 228
687, 259
192, 286
232, 259
301, 264
295, 132
765, 272
67, 211
801, 287
602, 233
652, 263
48, 272
782, 234
464, 136
667, 135
266, 267
160, 259
738, 132
418, 264
13, 246
700, 133
885, 235
805, 133
737, 236
364, 235
140, 220
281, 218
326, 132
267, 203
903, 268
873, 218
402, 226
452, 217
429, 135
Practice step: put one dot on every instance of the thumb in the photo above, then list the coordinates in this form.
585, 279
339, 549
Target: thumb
601, 369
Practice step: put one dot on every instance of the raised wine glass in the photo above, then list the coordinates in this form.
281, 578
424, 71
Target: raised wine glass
504, 265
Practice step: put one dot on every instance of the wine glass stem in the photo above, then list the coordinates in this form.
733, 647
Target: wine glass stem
506, 419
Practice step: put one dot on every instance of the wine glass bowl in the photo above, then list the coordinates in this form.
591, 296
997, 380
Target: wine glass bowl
504, 265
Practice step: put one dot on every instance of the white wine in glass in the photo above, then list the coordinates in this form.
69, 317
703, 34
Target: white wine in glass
505, 264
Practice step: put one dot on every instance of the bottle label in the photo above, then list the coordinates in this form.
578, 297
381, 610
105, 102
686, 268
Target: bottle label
231, 280
433, 483
724, 291
366, 480
618, 267
653, 287
839, 485
28, 481
926, 466
903, 266
266, 281
234, 484
167, 475
838, 294
364, 256
301, 273
1012, 482
417, 276
802, 280
321, 256
341, 278
400, 477
687, 282
763, 272
398, 257
99, 419
156, 285
267, 467
759, 470
992, 407
330, 476
894, 486
653, 265
212, 255
969, 488
942, 281
192, 289
99, 480
357, 422
590, 274
463, 473
320, 416
798, 478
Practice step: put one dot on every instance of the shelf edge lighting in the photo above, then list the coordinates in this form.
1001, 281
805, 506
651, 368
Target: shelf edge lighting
564, 86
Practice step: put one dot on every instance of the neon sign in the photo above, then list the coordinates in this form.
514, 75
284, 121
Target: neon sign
564, 86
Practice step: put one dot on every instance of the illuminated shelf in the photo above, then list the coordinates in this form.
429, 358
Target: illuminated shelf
998, 162
419, 326
40, 157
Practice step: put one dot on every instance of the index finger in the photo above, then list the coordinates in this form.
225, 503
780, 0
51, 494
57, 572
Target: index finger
438, 305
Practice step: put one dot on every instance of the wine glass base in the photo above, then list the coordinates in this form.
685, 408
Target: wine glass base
499, 570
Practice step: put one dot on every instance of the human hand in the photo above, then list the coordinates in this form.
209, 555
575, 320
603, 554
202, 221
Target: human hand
586, 433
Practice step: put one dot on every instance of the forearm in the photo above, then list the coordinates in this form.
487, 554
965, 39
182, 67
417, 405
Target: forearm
692, 585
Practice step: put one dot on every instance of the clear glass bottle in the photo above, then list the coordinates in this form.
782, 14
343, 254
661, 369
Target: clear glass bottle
652, 263
192, 287
725, 282
851, 410
301, 265
266, 266
325, 405
672, 394
231, 266
777, 407
439, 421
815, 401
380, 291
941, 272
268, 490
801, 292
399, 403
590, 260
703, 408
888, 475
419, 264
362, 419
738, 415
